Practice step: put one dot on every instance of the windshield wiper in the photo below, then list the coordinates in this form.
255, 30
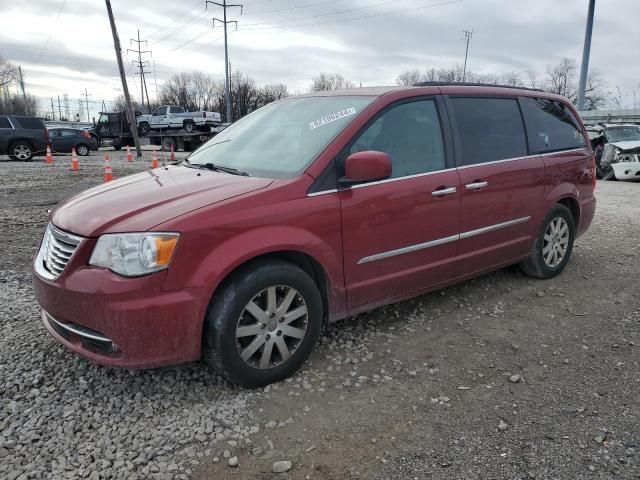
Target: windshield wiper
220, 168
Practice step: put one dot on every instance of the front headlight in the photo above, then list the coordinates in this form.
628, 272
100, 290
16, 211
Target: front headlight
134, 254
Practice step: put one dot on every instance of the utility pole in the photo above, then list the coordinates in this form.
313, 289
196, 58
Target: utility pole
141, 65
227, 80
86, 96
125, 87
468, 34
53, 111
24, 94
59, 109
586, 52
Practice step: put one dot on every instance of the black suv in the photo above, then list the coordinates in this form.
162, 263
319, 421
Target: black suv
22, 137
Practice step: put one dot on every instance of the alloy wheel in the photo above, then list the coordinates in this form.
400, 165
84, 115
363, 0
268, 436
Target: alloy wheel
83, 150
22, 152
271, 327
556, 242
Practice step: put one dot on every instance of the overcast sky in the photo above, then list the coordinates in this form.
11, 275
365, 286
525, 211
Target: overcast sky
66, 46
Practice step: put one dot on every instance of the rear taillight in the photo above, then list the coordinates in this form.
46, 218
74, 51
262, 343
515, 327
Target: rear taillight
85, 134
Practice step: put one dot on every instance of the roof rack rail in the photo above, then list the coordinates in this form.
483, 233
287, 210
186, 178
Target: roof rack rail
472, 84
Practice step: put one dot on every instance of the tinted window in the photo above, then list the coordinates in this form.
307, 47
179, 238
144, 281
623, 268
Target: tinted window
489, 129
551, 125
4, 123
410, 133
177, 110
67, 133
31, 123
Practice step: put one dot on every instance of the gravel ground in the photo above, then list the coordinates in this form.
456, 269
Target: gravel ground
500, 377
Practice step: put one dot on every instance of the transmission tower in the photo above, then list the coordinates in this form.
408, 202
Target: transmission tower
468, 34
227, 79
140, 65
65, 101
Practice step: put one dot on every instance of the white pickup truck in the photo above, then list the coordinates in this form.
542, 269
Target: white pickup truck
173, 117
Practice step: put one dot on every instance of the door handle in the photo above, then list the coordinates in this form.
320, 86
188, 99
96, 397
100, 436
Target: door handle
476, 185
444, 191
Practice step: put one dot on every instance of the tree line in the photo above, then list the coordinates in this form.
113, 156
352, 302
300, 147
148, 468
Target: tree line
12, 103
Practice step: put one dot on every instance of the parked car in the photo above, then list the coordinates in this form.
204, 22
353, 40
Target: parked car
617, 148
22, 137
175, 117
309, 210
63, 140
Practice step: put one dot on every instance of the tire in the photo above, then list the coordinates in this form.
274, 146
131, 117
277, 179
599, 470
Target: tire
189, 126
21, 151
609, 175
251, 288
83, 150
542, 263
166, 144
145, 128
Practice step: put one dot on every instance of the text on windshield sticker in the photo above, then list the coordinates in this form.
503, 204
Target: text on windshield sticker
332, 118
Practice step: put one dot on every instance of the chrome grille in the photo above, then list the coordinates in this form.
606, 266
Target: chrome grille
56, 251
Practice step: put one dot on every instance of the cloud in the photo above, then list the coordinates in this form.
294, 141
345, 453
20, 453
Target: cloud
509, 35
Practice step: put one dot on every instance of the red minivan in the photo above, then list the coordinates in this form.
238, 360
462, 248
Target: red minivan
309, 210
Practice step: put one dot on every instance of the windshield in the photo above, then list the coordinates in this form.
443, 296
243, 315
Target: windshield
623, 134
281, 139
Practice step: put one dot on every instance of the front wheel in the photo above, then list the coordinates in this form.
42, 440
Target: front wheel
553, 245
145, 128
263, 324
189, 126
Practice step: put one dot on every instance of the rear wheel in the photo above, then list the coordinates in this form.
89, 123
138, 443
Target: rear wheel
83, 150
145, 128
167, 143
553, 246
263, 324
21, 151
189, 126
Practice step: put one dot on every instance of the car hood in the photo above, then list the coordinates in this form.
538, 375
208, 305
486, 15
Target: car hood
628, 145
139, 202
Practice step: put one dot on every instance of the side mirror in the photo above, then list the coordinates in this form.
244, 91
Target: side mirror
367, 166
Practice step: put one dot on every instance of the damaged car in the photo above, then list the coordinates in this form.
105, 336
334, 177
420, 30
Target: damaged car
617, 149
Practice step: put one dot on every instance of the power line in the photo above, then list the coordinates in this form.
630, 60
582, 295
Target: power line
170, 34
46, 45
336, 12
294, 7
392, 12
195, 5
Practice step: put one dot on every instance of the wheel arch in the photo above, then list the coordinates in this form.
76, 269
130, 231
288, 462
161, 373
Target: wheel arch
574, 207
303, 260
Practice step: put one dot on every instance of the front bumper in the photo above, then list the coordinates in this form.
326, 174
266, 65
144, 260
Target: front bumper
122, 322
627, 170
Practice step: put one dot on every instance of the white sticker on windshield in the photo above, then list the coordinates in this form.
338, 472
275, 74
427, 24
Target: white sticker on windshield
332, 118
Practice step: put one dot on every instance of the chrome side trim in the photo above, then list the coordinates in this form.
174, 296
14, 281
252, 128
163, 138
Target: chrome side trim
412, 248
442, 241
76, 329
493, 228
396, 179
464, 167
324, 192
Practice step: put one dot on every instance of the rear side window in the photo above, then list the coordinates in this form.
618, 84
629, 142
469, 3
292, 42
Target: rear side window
488, 129
550, 125
31, 123
410, 133
4, 123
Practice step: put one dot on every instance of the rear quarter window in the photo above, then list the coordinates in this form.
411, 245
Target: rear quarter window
551, 126
31, 123
4, 123
488, 129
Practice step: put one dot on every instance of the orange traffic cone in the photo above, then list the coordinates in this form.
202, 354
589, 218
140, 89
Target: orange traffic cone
129, 156
108, 174
74, 161
154, 161
172, 157
49, 156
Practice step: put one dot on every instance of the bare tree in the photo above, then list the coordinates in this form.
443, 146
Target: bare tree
330, 81
409, 78
8, 73
562, 79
